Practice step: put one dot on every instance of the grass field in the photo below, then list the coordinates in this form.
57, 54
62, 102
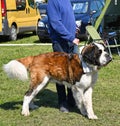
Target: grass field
106, 95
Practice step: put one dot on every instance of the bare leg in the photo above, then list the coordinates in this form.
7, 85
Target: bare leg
30, 95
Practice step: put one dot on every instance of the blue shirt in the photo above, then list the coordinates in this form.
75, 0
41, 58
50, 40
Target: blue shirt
61, 20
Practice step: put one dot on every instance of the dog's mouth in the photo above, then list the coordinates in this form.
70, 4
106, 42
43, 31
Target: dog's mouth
108, 60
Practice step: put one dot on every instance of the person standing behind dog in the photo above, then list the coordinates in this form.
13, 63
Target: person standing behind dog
62, 29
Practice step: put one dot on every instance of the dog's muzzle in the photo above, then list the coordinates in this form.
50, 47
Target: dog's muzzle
108, 58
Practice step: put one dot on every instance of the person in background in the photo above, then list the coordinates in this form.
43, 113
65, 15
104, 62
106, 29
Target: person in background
62, 28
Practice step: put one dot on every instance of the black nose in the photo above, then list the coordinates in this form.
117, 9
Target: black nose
110, 59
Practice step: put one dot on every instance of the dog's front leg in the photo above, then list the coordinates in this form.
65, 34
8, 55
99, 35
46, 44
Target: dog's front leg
78, 96
88, 103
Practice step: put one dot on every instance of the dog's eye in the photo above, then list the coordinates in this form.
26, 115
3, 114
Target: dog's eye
100, 51
106, 50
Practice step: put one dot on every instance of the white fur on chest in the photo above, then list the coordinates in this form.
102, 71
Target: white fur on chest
87, 80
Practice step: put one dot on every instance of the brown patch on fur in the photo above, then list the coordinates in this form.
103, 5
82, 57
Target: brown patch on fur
87, 48
56, 65
26, 61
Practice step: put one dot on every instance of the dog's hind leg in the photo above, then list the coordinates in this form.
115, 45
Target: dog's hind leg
31, 94
88, 103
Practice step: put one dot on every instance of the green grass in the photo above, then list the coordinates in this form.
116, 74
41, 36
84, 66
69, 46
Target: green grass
106, 95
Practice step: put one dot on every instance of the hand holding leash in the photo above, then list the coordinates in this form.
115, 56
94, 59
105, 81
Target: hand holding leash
76, 41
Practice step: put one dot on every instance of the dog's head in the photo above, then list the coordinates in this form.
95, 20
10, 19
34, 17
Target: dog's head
95, 54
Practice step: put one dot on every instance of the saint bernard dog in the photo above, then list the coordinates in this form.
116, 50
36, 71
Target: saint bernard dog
78, 71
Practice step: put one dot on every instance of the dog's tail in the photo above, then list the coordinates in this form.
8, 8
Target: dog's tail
18, 68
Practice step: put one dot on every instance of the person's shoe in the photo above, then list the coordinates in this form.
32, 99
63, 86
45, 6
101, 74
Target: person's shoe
64, 108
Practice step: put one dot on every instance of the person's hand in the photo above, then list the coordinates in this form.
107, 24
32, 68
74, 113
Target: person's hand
76, 41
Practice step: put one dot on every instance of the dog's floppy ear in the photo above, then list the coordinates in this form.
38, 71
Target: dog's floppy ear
88, 54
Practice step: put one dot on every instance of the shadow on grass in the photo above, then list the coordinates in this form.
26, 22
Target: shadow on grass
11, 105
46, 98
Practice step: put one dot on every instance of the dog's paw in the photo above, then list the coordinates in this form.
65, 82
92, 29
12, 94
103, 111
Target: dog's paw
25, 112
92, 117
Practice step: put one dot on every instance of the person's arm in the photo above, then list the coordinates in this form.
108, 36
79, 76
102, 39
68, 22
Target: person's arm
54, 16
